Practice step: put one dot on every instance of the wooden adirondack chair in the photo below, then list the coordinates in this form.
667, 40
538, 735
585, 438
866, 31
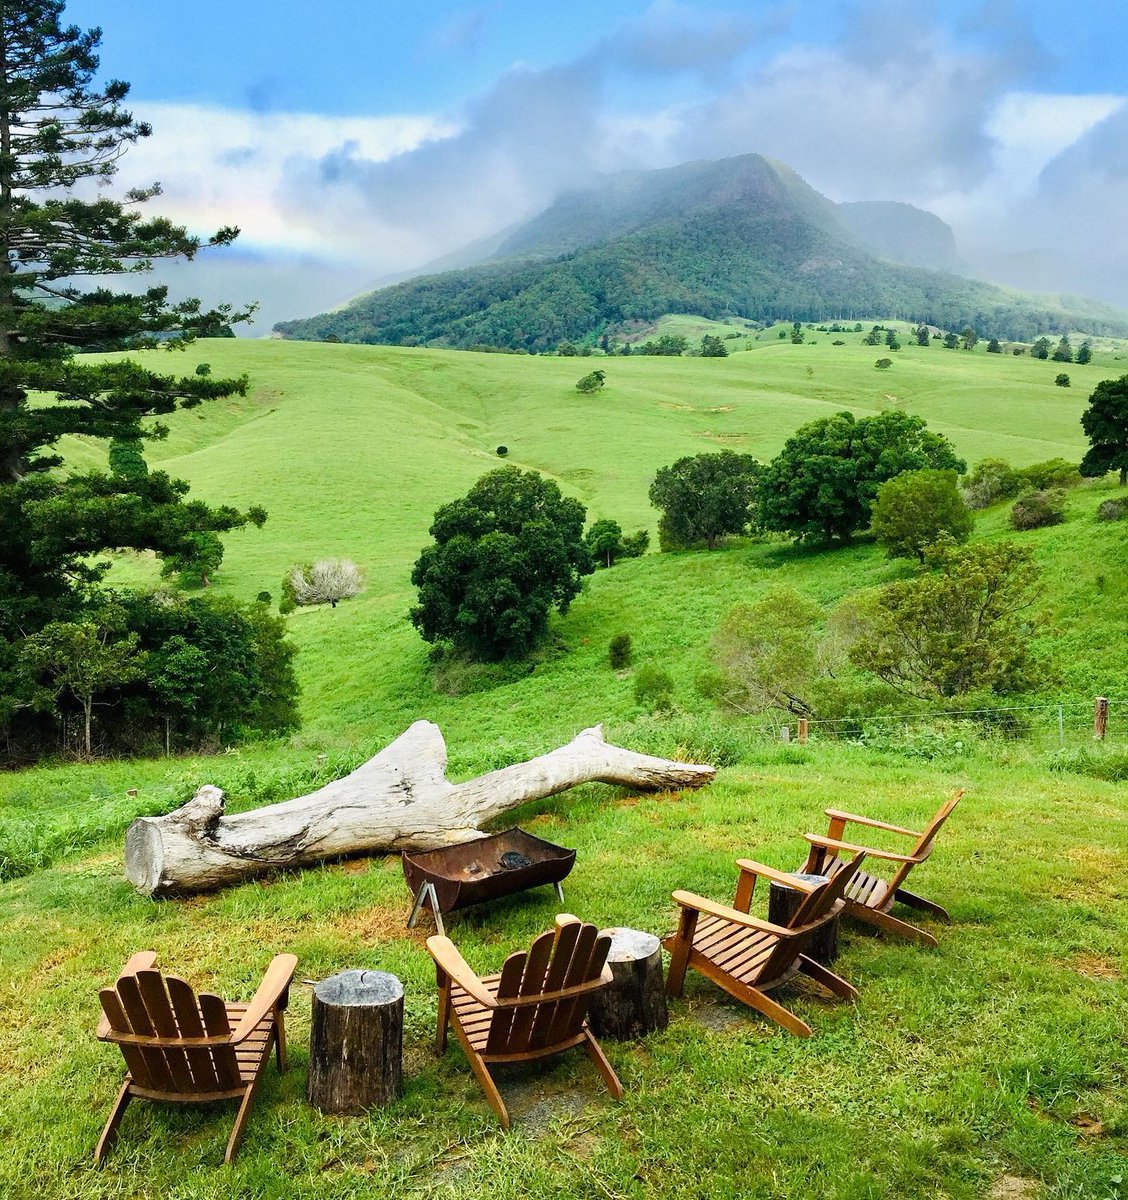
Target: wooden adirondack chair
869, 898
536, 1006
749, 957
191, 1049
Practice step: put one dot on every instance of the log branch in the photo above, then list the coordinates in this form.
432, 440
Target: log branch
398, 800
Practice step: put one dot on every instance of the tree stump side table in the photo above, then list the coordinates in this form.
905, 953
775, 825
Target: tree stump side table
782, 905
356, 1042
634, 1003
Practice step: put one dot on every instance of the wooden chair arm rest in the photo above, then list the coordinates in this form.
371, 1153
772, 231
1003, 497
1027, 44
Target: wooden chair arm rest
833, 844
451, 963
277, 979
713, 909
784, 877
837, 815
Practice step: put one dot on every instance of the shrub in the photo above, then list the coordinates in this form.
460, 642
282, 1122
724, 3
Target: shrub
590, 383
323, 582
502, 451
654, 688
619, 651
1037, 509
992, 480
1062, 380
1053, 473
883, 364
913, 509
1112, 510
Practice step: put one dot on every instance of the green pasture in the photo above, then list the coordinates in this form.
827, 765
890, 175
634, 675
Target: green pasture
993, 1066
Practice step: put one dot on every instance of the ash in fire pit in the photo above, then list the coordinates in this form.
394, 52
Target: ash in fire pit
512, 859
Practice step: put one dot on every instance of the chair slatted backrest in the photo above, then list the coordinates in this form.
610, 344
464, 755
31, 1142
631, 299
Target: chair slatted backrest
570, 957
816, 907
923, 848
146, 1004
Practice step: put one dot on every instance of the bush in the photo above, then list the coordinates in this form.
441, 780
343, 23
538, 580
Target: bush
322, 582
1038, 509
1053, 473
654, 688
883, 363
590, 383
502, 451
913, 509
1062, 380
992, 480
1112, 510
619, 651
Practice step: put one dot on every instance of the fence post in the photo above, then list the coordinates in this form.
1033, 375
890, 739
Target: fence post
785, 733
1100, 717
802, 731
1061, 725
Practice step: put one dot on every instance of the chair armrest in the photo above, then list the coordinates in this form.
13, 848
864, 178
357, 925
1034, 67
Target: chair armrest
277, 979
784, 877
852, 818
833, 844
713, 909
451, 963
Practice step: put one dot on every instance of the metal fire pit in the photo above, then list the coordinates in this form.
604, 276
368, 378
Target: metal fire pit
485, 869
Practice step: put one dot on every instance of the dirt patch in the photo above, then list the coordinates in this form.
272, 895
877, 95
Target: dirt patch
1094, 966
1088, 1125
668, 404
722, 437
380, 923
1013, 1187
722, 408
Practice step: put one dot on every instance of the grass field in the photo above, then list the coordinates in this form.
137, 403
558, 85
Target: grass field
994, 1066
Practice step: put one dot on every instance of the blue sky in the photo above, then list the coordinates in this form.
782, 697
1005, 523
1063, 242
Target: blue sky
354, 140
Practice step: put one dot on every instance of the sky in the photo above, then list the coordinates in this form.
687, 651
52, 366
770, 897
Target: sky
356, 140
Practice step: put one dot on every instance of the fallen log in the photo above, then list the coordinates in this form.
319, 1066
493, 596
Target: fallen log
398, 800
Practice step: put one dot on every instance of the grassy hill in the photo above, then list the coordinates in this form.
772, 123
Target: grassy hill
992, 1066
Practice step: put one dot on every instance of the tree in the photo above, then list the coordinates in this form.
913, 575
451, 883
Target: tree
591, 382
912, 510
891, 338
993, 346
883, 364
503, 556
961, 627
713, 347
968, 337
59, 135
1064, 351
703, 498
1041, 348
767, 653
606, 544
1084, 354
1105, 423
85, 658
951, 341
923, 335
1062, 380
822, 484
992, 480
671, 344
326, 581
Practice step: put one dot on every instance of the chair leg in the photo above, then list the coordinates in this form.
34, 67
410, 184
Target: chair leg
828, 979
485, 1079
894, 925
679, 946
280, 1039
444, 1018
915, 901
109, 1132
241, 1120
595, 1053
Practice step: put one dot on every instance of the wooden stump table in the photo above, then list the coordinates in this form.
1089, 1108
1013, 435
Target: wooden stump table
634, 1003
782, 904
356, 1042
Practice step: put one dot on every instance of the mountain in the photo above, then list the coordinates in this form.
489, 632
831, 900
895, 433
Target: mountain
742, 237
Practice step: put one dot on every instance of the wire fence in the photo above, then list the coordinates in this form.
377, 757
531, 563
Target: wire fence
1064, 723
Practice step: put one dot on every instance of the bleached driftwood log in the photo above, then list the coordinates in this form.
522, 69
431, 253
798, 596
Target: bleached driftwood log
398, 800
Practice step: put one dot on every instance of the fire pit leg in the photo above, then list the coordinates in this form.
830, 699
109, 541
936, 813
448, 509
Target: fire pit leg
427, 891
559, 891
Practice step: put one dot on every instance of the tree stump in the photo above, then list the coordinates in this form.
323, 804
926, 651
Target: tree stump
634, 1003
782, 904
356, 1042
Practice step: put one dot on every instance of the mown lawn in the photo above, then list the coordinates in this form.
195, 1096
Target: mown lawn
999, 1056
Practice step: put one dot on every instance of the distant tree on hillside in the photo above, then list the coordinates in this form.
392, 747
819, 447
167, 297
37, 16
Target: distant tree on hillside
1064, 351
1062, 380
1041, 348
922, 335
503, 557
912, 510
591, 382
703, 498
713, 347
669, 344
1084, 354
993, 346
968, 337
1105, 423
822, 484
606, 544
951, 340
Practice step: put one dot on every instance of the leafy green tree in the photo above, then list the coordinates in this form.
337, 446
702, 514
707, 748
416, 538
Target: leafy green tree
964, 626
704, 497
1062, 380
992, 480
993, 346
670, 344
591, 383
912, 510
604, 541
951, 341
968, 337
85, 658
503, 557
767, 653
891, 337
713, 347
822, 485
1084, 353
1041, 348
922, 335
1063, 351
873, 338
1105, 423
